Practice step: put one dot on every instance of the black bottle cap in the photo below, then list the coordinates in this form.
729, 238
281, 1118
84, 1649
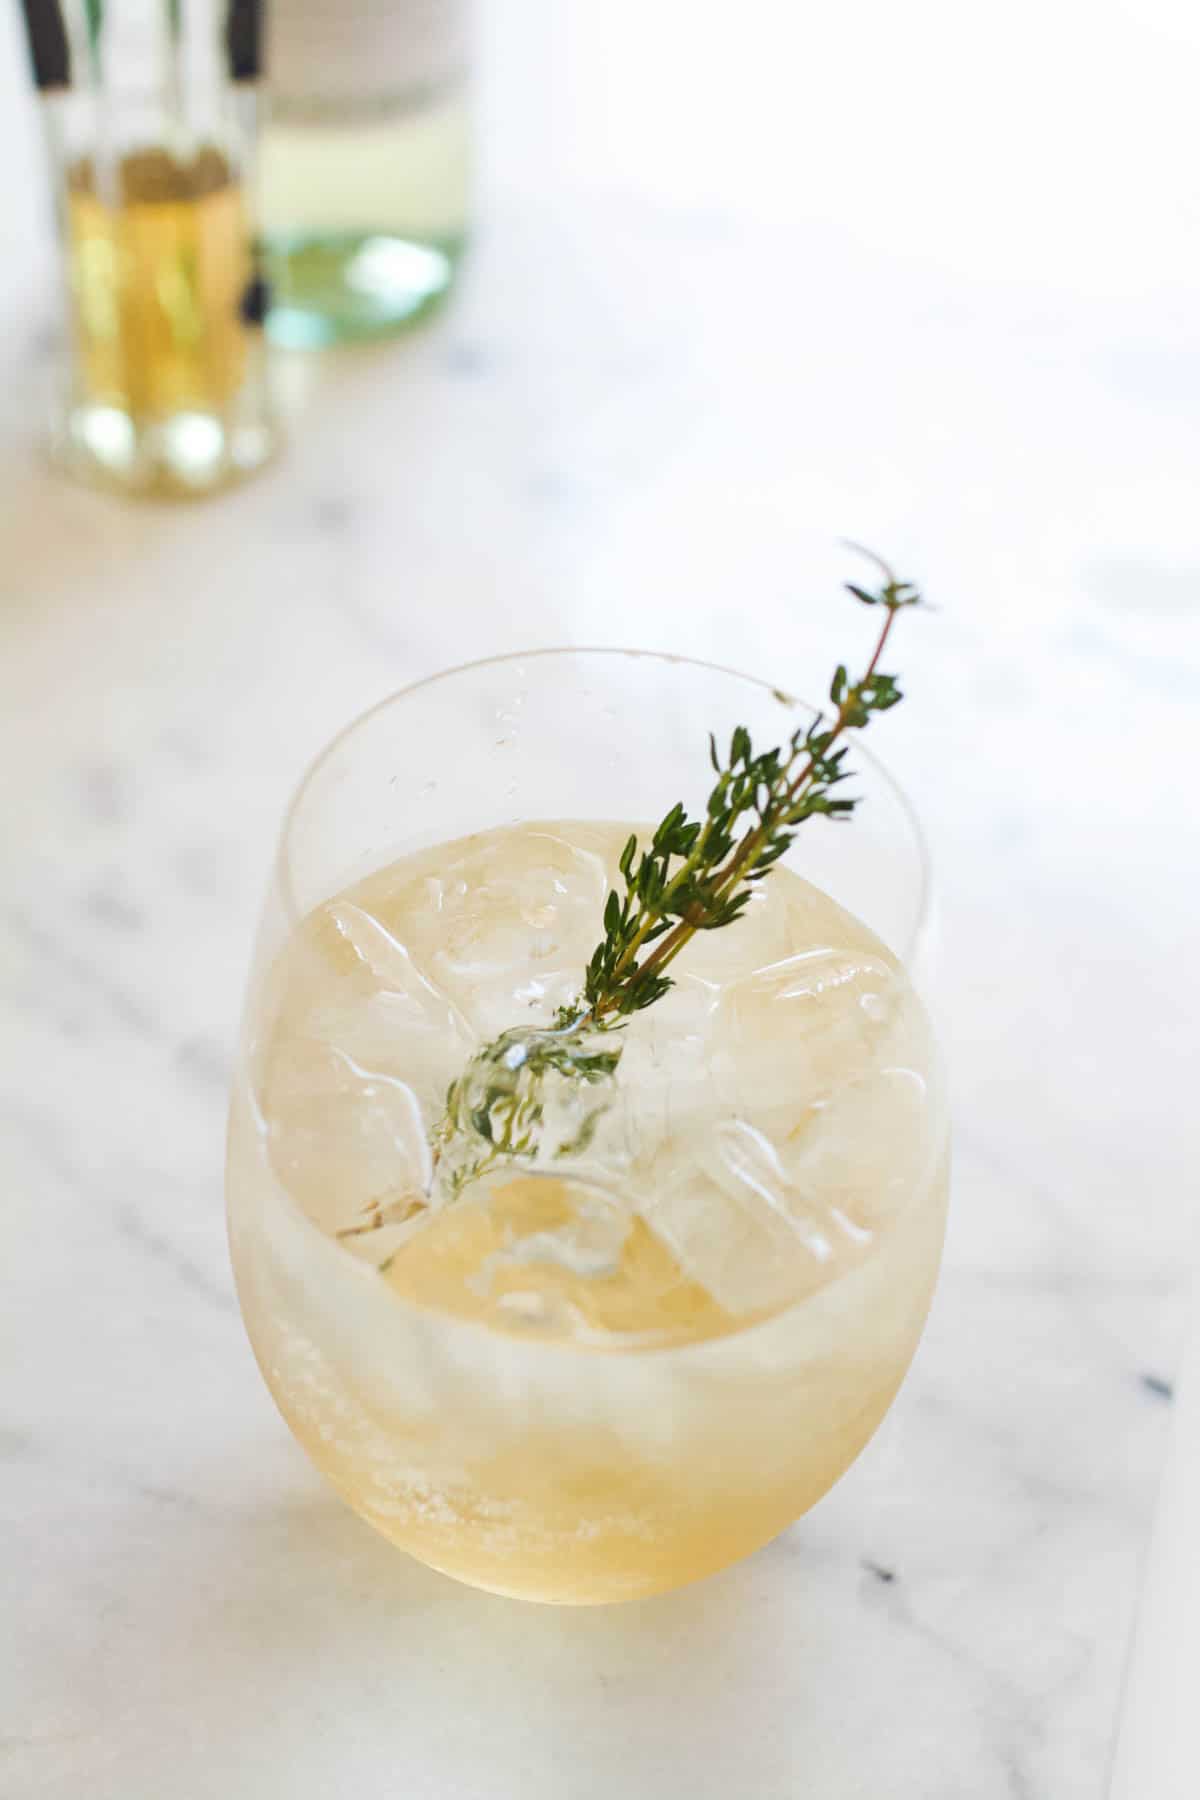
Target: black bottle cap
47, 44
243, 39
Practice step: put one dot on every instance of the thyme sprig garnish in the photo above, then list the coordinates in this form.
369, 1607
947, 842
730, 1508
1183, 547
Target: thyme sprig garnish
695, 875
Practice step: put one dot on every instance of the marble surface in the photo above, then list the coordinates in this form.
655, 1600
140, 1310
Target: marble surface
902, 276
1157, 1753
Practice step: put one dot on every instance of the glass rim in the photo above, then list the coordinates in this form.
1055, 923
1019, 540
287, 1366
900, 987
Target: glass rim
312, 769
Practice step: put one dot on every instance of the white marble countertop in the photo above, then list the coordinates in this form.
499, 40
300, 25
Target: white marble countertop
735, 293
1157, 1754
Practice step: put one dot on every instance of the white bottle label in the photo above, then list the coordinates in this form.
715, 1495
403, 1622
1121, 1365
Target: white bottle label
356, 55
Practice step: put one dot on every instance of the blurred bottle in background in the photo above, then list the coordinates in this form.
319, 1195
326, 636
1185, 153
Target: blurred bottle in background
364, 170
150, 115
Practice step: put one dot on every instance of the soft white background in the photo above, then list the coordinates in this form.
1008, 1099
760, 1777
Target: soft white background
746, 279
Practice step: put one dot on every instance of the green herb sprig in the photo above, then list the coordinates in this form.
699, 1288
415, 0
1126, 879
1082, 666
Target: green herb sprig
695, 875
715, 871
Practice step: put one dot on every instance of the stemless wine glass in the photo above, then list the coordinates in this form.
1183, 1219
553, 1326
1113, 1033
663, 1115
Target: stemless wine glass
507, 1410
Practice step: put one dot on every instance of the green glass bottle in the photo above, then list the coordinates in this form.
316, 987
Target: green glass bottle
364, 169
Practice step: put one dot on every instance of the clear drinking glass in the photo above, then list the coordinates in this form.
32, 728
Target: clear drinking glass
607, 1376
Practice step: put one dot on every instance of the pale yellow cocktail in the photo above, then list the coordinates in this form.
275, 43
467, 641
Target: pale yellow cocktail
604, 1377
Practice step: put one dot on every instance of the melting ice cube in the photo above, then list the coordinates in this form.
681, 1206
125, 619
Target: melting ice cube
348, 1140
522, 916
740, 1227
802, 1027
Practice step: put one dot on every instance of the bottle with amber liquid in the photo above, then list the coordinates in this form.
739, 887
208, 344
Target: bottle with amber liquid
151, 113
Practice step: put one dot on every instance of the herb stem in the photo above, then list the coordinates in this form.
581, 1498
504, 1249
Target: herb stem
694, 875
894, 597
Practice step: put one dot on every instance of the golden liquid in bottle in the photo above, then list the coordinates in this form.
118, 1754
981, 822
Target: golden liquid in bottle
158, 274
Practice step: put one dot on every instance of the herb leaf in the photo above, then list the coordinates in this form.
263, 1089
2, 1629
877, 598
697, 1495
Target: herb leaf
695, 875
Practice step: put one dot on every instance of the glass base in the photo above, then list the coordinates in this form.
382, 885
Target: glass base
185, 455
336, 289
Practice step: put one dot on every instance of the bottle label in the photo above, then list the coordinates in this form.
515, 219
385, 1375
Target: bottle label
340, 57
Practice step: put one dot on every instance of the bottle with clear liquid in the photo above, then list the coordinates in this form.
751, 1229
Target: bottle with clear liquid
364, 168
